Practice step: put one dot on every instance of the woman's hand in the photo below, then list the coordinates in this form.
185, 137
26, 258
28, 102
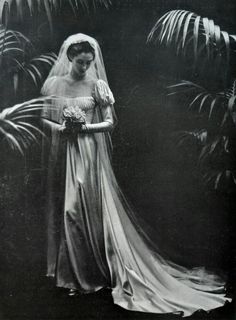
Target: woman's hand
64, 130
83, 128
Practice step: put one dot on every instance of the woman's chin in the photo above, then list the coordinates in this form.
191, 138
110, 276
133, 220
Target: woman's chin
81, 74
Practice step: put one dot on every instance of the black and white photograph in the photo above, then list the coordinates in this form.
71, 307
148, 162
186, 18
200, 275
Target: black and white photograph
118, 159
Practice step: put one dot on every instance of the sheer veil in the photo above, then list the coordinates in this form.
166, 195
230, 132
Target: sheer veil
63, 65
96, 71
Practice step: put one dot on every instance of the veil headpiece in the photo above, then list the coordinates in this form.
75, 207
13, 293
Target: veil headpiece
96, 70
63, 65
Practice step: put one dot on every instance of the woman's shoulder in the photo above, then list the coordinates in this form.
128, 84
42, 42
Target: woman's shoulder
100, 82
101, 85
95, 82
103, 93
47, 86
53, 84
59, 79
50, 81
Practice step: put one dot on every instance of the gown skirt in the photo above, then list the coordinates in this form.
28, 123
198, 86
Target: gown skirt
93, 241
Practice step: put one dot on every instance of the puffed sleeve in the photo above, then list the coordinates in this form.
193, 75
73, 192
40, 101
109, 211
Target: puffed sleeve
103, 94
49, 86
104, 97
51, 110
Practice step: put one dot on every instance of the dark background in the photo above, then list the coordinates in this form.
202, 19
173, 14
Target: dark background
192, 225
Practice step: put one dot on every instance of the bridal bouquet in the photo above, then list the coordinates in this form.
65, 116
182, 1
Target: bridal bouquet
74, 117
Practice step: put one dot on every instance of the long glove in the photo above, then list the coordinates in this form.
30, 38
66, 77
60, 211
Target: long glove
97, 127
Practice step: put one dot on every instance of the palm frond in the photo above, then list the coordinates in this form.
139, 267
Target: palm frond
219, 179
198, 136
16, 128
215, 147
36, 65
213, 106
204, 100
186, 83
179, 28
230, 95
231, 91
183, 87
13, 45
25, 7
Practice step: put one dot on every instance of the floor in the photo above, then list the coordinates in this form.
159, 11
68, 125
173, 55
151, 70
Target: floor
45, 302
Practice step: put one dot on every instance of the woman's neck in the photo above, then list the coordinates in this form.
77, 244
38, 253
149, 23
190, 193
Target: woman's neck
76, 77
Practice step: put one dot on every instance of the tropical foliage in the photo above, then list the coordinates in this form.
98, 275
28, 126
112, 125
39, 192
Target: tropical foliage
16, 129
22, 8
209, 52
185, 30
18, 66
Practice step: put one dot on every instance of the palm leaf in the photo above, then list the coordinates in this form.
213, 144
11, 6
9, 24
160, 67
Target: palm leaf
205, 22
226, 37
173, 25
12, 45
231, 103
198, 96
231, 91
25, 7
212, 106
224, 178
200, 136
16, 128
187, 84
195, 34
35, 67
214, 179
218, 145
168, 26
186, 27
11, 140
32, 127
204, 99
230, 95
179, 27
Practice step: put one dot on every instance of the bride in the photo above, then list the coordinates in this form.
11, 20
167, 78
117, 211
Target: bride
94, 240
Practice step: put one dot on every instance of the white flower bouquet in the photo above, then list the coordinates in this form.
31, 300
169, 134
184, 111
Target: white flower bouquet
74, 117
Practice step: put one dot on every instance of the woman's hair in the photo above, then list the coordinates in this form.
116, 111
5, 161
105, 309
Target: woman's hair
77, 48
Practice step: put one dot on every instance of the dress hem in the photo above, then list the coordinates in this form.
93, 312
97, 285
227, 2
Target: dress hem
123, 303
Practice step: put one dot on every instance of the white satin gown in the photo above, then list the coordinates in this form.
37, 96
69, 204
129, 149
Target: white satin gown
93, 241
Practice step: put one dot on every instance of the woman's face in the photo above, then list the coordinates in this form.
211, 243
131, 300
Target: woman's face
81, 63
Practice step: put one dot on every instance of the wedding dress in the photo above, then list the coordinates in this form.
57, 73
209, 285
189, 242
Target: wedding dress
94, 239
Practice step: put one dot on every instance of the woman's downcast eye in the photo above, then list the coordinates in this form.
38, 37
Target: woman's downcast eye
84, 62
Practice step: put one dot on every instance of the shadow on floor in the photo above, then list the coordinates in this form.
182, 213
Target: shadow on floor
45, 302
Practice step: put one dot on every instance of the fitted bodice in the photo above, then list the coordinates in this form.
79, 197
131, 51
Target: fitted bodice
86, 104
101, 95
